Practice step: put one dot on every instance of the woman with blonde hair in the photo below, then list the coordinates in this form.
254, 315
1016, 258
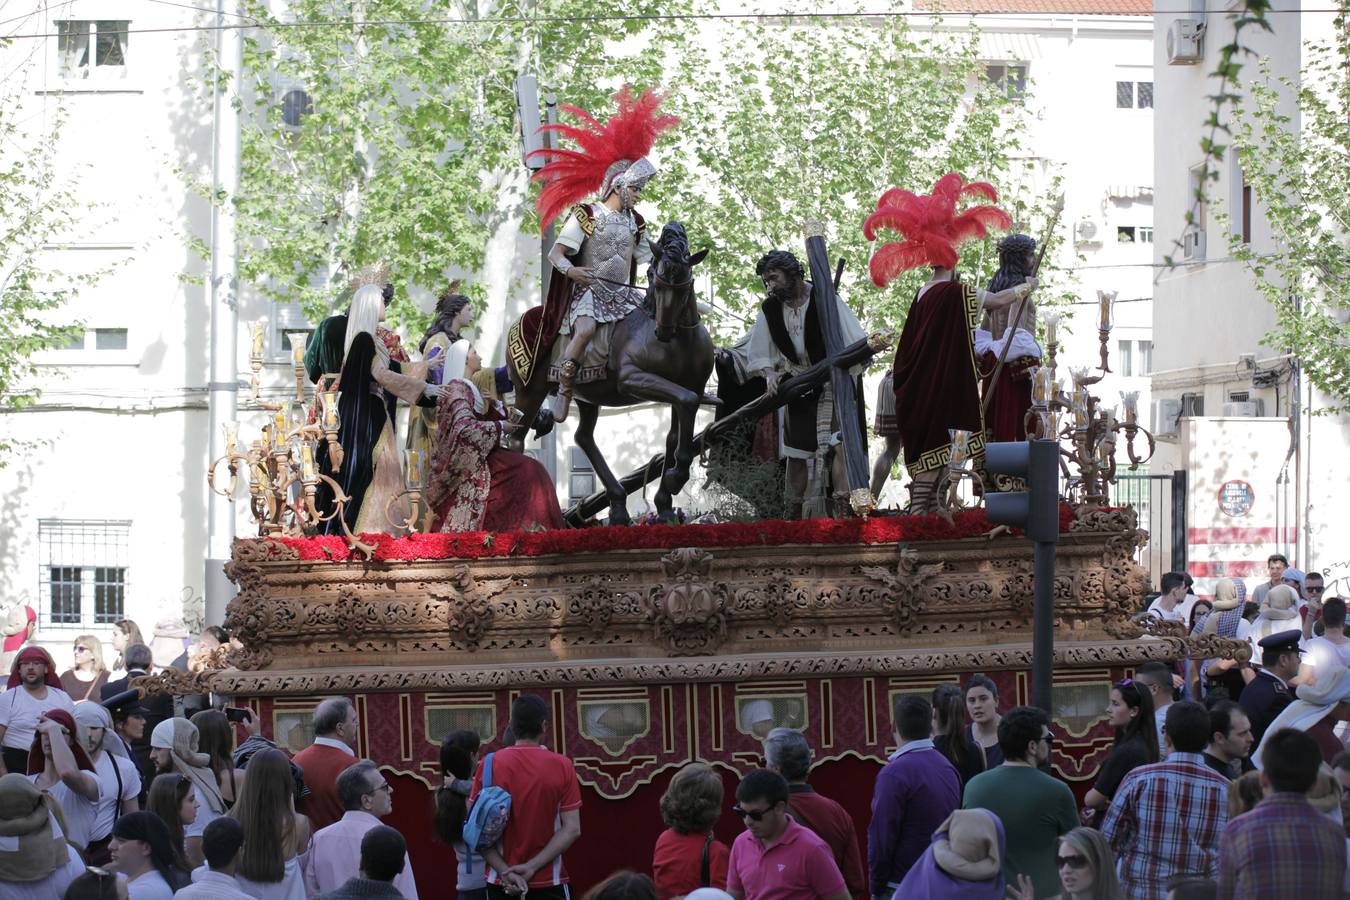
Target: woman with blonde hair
370, 472
85, 679
687, 854
275, 835
1244, 792
1087, 869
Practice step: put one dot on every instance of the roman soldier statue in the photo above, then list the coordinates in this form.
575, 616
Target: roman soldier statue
603, 242
936, 372
1005, 416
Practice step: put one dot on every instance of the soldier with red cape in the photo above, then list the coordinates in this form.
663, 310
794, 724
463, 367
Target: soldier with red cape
936, 375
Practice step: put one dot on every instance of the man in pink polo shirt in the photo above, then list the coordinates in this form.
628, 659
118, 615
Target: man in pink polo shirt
777, 858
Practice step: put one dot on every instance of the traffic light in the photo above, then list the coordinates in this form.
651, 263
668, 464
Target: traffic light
1036, 510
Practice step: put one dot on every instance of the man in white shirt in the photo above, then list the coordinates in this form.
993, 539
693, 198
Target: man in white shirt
33, 689
215, 881
119, 781
335, 851
1173, 604
1332, 648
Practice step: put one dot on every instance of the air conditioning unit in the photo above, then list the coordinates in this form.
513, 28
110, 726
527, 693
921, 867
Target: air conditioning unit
1166, 416
1184, 42
1193, 244
1244, 409
1087, 231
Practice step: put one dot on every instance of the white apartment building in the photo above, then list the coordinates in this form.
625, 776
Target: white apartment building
1265, 476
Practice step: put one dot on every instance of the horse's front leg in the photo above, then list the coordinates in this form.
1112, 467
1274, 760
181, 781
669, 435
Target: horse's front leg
587, 415
684, 405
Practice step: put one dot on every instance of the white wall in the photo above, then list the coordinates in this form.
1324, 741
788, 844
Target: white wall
1208, 315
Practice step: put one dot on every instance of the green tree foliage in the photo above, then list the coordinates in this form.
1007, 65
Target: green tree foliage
1296, 164
38, 209
786, 120
410, 153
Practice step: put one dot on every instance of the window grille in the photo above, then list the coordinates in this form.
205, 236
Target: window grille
83, 571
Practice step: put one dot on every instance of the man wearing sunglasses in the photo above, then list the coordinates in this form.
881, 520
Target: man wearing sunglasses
775, 857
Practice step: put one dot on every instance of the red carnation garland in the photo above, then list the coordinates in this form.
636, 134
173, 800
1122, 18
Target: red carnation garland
770, 533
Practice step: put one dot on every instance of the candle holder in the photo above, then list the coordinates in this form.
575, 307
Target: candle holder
298, 339
956, 470
1093, 433
283, 481
255, 361
414, 481
329, 418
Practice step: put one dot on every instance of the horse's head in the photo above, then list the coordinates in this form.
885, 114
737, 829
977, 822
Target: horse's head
670, 280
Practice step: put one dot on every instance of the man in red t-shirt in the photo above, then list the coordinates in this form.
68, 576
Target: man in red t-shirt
545, 810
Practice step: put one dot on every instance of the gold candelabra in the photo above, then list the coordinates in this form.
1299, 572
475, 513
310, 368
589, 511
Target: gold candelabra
1092, 432
281, 466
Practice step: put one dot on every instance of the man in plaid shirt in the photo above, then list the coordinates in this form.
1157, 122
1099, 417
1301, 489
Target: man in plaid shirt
1166, 818
1284, 847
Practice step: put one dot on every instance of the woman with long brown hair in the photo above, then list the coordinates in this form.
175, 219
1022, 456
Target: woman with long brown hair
89, 674
172, 799
1130, 712
275, 835
125, 633
949, 734
215, 738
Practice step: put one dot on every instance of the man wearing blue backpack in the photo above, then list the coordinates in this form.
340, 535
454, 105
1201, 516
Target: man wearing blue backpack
525, 811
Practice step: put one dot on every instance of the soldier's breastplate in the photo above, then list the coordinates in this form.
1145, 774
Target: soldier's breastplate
608, 252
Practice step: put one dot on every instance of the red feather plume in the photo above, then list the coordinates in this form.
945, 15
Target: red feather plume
572, 175
930, 226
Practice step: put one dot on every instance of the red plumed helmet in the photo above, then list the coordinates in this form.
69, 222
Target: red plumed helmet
605, 152
930, 226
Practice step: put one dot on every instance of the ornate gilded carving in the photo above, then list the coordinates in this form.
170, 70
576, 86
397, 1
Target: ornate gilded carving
688, 609
1087, 518
906, 591
592, 605
469, 608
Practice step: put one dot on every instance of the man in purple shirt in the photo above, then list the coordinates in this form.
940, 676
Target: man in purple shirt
1284, 847
914, 794
775, 858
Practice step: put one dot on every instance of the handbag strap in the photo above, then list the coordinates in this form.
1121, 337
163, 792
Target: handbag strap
705, 864
487, 771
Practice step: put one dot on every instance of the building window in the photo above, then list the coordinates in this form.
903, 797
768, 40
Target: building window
96, 339
83, 568
110, 339
108, 38
1145, 366
288, 319
1134, 95
1125, 234
1145, 234
1008, 79
1126, 359
581, 484
1246, 212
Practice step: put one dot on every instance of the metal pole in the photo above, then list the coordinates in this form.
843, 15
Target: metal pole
1043, 627
1180, 537
548, 448
223, 388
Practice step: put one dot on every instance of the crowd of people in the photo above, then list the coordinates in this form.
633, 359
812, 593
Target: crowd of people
1225, 779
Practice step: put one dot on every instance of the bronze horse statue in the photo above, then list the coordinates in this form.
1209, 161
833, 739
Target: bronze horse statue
660, 353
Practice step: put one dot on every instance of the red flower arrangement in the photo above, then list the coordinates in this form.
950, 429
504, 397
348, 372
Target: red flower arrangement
771, 533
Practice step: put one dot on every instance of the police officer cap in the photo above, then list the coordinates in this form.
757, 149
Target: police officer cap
1282, 642
126, 704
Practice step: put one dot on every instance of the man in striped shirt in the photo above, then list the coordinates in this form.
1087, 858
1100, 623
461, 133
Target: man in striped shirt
1166, 818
